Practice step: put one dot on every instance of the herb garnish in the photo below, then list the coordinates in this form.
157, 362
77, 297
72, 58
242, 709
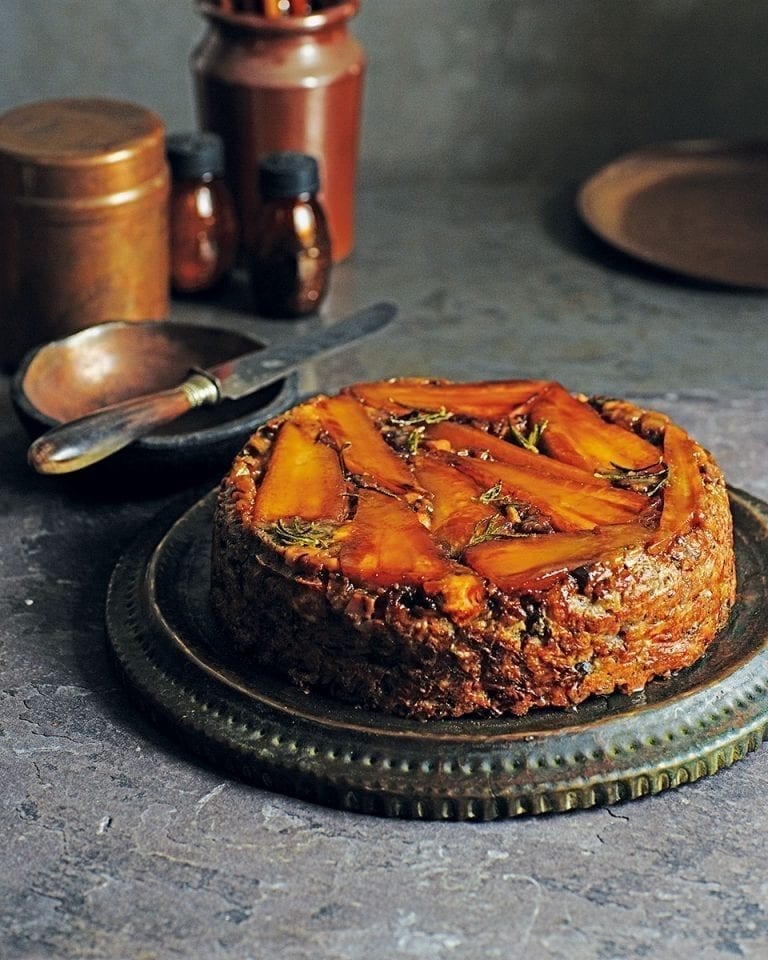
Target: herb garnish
492, 528
648, 480
529, 441
300, 533
492, 494
416, 422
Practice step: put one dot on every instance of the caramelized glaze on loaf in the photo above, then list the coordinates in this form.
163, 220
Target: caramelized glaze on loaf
439, 549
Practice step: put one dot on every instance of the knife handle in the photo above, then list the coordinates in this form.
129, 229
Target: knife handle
91, 438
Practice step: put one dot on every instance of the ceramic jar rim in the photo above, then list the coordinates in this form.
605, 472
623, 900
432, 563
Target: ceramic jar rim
285, 26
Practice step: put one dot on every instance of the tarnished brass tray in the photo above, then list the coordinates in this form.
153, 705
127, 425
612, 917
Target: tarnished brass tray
269, 733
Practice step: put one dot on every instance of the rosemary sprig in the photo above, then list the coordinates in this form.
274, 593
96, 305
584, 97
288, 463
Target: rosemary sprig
421, 417
300, 533
416, 422
414, 439
529, 441
648, 480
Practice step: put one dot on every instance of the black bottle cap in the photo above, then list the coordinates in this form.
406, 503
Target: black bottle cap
192, 155
287, 174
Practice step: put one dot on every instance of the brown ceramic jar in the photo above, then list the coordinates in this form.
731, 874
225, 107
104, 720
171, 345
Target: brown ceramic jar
83, 219
287, 83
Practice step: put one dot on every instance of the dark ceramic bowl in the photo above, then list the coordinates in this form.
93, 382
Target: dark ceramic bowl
110, 362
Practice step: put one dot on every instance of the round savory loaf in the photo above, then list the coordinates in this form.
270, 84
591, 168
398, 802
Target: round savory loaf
437, 549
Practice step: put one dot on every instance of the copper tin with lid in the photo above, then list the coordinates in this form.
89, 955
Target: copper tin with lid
83, 219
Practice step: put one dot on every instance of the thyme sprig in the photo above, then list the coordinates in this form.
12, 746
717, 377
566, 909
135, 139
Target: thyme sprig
648, 480
295, 532
529, 441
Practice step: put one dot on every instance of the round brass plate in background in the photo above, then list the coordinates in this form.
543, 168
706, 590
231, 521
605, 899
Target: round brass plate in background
699, 208
266, 731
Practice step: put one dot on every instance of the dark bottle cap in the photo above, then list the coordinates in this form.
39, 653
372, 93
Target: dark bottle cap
287, 174
193, 155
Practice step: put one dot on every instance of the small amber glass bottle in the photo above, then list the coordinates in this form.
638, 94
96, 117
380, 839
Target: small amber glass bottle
290, 261
203, 222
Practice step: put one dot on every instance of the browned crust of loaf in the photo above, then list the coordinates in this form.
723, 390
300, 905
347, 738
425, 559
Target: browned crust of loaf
613, 626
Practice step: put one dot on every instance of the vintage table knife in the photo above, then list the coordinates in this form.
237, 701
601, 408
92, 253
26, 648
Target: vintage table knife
91, 438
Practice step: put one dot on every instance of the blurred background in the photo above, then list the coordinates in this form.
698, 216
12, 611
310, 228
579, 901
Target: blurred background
456, 89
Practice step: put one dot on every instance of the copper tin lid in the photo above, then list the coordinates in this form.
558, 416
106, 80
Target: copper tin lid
79, 149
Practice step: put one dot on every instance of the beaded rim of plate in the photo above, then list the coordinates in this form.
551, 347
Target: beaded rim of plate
263, 731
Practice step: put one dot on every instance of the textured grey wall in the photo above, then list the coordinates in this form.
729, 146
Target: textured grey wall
456, 88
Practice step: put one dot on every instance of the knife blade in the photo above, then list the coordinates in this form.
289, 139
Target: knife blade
79, 443
235, 378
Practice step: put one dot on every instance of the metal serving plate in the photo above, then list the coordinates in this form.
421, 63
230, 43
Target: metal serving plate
268, 732
696, 207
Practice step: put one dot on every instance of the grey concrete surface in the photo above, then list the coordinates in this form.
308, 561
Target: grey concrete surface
116, 845
495, 281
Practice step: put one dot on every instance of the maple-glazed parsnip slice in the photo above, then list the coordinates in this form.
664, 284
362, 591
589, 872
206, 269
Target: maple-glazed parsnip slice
577, 434
538, 561
364, 452
572, 498
303, 476
462, 437
567, 509
684, 489
457, 510
385, 545
490, 400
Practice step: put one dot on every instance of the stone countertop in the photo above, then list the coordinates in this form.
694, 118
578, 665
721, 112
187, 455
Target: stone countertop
116, 844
